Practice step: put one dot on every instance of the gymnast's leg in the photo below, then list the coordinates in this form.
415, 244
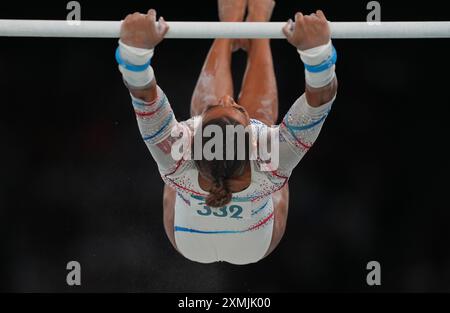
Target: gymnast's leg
259, 93
259, 96
215, 79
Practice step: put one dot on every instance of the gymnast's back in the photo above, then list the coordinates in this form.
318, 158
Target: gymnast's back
241, 231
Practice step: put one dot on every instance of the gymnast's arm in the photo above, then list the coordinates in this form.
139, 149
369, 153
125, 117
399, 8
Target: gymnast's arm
309, 32
139, 36
311, 35
301, 126
140, 31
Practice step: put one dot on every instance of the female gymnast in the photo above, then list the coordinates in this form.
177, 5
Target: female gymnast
229, 209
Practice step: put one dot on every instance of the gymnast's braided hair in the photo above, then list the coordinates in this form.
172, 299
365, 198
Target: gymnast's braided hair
220, 171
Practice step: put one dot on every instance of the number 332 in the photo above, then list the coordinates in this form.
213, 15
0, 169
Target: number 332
233, 211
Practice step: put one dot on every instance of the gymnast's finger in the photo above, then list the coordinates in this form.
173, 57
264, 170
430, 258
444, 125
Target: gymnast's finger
163, 27
288, 29
299, 19
321, 15
152, 14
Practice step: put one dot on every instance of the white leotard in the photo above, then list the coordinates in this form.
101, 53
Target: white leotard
241, 232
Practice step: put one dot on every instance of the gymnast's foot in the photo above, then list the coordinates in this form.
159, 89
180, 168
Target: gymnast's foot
260, 10
232, 10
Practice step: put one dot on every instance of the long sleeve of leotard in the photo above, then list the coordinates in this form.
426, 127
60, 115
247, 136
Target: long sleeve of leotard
156, 120
298, 131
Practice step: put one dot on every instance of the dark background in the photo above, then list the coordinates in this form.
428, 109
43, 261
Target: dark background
77, 183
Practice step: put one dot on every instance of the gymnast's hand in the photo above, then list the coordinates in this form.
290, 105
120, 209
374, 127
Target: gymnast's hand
308, 31
141, 31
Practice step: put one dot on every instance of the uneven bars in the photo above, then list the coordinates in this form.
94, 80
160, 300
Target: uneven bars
209, 30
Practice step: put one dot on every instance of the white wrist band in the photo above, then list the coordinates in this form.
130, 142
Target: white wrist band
317, 55
322, 79
136, 56
133, 55
314, 57
138, 80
